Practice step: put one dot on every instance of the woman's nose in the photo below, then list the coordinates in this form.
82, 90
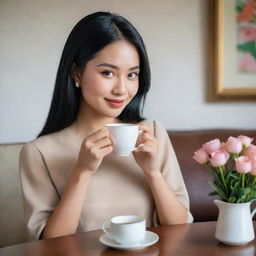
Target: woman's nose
120, 87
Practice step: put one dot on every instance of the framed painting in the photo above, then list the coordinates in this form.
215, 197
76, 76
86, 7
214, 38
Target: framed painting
232, 50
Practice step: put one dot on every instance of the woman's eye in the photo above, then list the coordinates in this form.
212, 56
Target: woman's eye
107, 73
133, 75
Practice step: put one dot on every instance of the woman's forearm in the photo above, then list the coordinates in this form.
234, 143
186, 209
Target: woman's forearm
169, 208
65, 218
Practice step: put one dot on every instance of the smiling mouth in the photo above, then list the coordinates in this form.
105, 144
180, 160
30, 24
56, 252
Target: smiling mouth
115, 103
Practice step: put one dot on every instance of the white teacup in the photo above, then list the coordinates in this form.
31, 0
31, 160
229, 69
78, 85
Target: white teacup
127, 229
124, 137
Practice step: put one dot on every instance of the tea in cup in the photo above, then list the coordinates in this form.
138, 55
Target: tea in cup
127, 229
124, 137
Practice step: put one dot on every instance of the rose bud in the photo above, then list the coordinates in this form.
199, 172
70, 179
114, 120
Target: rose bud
253, 161
243, 164
234, 145
201, 156
212, 146
218, 158
245, 140
250, 151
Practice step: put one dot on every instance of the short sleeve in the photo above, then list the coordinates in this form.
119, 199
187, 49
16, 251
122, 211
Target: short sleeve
39, 194
170, 168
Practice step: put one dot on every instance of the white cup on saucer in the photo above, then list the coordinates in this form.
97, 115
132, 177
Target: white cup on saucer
124, 137
126, 229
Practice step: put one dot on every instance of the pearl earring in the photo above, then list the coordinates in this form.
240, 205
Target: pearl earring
77, 85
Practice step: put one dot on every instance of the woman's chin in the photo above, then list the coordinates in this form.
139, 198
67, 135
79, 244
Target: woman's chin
111, 114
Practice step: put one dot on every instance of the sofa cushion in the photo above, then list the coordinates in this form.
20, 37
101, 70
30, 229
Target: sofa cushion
12, 226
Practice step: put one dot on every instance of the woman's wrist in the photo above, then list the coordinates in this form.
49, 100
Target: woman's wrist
153, 176
82, 173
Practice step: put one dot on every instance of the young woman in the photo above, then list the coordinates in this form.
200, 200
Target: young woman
71, 182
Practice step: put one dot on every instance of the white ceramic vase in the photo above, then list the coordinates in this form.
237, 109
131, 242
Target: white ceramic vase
234, 224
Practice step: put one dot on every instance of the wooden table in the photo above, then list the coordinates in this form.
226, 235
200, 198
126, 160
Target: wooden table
188, 239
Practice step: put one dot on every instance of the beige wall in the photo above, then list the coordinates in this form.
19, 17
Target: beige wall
175, 32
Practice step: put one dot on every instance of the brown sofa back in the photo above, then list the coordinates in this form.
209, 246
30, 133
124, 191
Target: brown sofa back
195, 175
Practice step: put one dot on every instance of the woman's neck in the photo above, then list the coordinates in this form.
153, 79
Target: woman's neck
88, 122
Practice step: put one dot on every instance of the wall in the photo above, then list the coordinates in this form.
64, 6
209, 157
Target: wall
175, 32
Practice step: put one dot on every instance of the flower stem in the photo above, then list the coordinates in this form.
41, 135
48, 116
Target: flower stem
243, 176
253, 183
223, 179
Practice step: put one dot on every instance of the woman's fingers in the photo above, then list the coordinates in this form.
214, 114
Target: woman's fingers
146, 141
100, 138
143, 137
147, 147
94, 137
104, 142
144, 128
106, 150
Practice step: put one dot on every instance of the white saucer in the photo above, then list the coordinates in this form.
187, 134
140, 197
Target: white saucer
150, 239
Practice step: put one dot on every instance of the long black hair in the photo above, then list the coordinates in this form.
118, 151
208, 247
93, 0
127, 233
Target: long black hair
90, 35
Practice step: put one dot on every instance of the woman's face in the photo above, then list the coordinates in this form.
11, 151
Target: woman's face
110, 80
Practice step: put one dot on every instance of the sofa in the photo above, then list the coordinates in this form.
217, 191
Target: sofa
13, 230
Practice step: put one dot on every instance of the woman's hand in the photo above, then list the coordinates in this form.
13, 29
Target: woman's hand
146, 152
93, 149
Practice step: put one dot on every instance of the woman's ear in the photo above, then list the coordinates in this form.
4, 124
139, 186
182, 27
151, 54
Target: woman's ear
76, 73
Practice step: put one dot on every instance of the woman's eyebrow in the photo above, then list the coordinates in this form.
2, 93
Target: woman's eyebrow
115, 67
136, 67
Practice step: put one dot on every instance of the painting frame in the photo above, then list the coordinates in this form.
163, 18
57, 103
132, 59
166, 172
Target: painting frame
216, 88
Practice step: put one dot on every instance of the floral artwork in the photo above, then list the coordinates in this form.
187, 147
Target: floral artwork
246, 35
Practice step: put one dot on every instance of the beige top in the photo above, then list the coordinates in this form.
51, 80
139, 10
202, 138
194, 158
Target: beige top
117, 188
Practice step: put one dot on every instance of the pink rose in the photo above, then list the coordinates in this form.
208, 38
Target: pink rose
253, 161
201, 156
218, 158
243, 164
250, 151
246, 141
247, 62
223, 149
247, 33
234, 145
211, 146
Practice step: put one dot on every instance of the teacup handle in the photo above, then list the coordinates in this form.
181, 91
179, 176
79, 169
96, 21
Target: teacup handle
140, 131
254, 210
104, 227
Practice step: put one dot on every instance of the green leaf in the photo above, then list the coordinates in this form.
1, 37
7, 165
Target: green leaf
243, 191
216, 177
248, 47
241, 199
239, 9
234, 175
229, 179
234, 188
240, 5
232, 199
247, 190
218, 190
242, 194
251, 196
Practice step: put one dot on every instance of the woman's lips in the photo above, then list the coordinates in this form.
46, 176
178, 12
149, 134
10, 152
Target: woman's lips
115, 103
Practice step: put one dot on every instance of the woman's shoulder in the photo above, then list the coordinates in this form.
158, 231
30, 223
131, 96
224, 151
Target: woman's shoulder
53, 140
